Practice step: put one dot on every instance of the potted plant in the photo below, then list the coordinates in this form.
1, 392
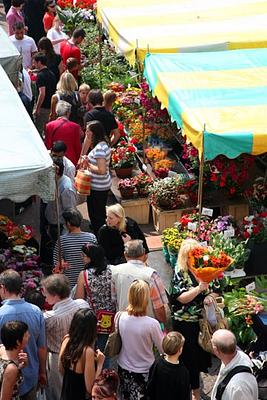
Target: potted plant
123, 159
127, 187
142, 183
257, 195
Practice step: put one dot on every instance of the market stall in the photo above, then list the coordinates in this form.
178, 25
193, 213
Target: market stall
25, 165
217, 98
10, 59
138, 27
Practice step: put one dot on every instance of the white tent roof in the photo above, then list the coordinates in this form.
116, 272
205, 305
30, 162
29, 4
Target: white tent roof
25, 165
10, 59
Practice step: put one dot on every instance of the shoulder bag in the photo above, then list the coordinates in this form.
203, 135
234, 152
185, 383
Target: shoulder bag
207, 329
114, 343
222, 385
105, 318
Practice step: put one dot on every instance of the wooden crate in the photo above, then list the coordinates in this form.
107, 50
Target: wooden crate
165, 219
137, 209
238, 211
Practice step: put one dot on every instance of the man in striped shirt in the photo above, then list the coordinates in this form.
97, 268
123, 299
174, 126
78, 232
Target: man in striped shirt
71, 244
56, 290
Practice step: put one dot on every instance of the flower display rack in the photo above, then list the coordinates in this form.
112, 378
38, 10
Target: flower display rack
163, 219
137, 209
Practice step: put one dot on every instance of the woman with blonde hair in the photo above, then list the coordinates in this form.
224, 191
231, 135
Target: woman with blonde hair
138, 334
187, 298
56, 34
118, 230
67, 91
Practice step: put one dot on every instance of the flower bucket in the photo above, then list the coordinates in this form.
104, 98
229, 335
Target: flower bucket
127, 193
124, 172
142, 192
83, 182
166, 253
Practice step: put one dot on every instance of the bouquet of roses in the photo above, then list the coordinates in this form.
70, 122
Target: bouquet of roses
207, 264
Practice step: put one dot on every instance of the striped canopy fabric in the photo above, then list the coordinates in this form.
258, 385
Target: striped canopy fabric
171, 26
221, 94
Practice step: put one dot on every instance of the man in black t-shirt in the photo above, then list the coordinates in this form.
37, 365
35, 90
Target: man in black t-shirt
99, 113
46, 86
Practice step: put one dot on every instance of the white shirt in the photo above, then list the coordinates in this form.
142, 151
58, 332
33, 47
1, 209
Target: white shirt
242, 386
53, 34
26, 87
25, 47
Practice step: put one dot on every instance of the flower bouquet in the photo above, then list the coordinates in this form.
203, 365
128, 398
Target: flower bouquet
206, 264
123, 156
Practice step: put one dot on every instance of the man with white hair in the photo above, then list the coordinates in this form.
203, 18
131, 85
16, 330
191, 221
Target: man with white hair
67, 131
123, 275
235, 380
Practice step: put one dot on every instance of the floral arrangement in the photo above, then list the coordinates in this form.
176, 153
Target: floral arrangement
207, 264
123, 156
257, 194
25, 261
142, 182
72, 17
84, 4
255, 227
138, 130
116, 87
223, 223
164, 163
232, 247
167, 193
161, 173
127, 187
154, 154
16, 234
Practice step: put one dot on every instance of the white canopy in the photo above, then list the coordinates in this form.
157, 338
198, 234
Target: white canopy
25, 165
10, 59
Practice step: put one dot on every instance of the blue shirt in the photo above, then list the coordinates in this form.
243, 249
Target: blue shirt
20, 310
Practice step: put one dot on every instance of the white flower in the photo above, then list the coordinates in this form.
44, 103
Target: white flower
206, 257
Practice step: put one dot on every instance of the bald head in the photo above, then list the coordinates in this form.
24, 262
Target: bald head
224, 341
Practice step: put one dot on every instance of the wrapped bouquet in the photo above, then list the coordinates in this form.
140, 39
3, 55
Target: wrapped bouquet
206, 264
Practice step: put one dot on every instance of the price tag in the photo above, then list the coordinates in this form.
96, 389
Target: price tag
192, 226
207, 211
204, 244
228, 233
144, 167
251, 286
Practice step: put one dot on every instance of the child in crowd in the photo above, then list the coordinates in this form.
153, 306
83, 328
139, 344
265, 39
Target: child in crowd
85, 106
168, 379
109, 99
72, 65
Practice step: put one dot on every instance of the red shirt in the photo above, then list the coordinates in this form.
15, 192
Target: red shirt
69, 133
68, 50
48, 21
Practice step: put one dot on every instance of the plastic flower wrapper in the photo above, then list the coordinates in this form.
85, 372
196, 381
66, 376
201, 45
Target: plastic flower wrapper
254, 227
207, 264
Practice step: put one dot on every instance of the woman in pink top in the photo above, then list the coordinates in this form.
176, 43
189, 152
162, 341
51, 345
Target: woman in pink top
14, 15
138, 333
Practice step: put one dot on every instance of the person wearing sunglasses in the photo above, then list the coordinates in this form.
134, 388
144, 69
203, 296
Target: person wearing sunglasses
50, 12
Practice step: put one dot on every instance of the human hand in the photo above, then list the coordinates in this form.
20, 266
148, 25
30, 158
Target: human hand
42, 380
36, 113
203, 286
126, 237
99, 357
23, 359
208, 300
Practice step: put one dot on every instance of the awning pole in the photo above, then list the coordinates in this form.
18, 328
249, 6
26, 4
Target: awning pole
100, 56
59, 252
200, 178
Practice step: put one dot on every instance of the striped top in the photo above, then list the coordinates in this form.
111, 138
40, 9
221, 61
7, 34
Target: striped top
100, 182
71, 248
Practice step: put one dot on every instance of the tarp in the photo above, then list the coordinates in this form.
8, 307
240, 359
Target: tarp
25, 165
10, 59
173, 26
221, 93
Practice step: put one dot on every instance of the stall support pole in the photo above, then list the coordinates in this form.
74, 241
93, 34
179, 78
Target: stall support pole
200, 179
58, 228
100, 56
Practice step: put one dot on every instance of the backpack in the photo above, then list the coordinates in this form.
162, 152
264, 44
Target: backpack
75, 102
222, 385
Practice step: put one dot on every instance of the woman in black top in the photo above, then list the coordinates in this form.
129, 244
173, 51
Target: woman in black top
54, 61
117, 231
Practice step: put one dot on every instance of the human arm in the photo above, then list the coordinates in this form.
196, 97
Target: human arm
68, 199
157, 335
42, 355
134, 231
90, 372
9, 380
80, 292
191, 294
86, 143
61, 68
114, 136
61, 352
33, 48
54, 100
100, 168
158, 298
40, 100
